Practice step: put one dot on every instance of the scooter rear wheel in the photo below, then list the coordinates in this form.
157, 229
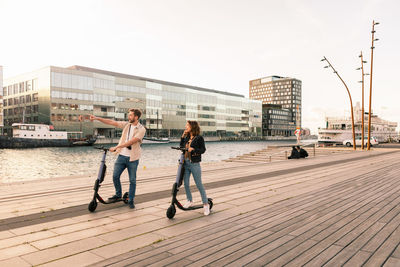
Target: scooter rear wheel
210, 203
171, 212
125, 197
92, 205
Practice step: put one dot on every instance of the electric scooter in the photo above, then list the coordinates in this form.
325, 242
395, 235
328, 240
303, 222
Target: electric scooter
175, 188
100, 178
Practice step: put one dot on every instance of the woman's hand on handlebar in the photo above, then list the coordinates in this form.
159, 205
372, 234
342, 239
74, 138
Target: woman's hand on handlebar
113, 149
190, 149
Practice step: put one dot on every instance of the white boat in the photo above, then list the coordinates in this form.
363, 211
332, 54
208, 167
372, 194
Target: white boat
339, 129
27, 135
155, 140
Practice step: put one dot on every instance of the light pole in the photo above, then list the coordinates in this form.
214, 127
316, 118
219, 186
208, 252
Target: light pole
351, 102
362, 101
370, 83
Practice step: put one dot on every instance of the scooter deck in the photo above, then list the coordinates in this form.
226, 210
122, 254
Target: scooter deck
101, 200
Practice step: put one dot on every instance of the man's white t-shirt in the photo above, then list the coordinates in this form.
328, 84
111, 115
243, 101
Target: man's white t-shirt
125, 151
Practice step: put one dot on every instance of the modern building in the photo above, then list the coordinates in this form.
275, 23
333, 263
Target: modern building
65, 97
276, 121
1, 101
281, 99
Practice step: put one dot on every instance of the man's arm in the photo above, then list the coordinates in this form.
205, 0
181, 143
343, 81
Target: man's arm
138, 137
128, 143
105, 121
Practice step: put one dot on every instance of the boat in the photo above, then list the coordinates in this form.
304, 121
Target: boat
155, 140
27, 135
339, 129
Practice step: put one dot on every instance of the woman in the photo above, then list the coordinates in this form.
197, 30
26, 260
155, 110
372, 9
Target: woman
194, 142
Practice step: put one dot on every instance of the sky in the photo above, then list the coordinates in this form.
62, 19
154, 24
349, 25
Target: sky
216, 44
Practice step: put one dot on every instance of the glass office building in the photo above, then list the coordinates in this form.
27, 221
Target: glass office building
65, 97
1, 101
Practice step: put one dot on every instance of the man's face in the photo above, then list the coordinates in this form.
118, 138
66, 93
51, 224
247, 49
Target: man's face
132, 118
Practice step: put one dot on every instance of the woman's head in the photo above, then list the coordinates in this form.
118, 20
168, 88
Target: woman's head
193, 127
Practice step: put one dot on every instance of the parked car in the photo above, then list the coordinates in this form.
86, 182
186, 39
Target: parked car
349, 142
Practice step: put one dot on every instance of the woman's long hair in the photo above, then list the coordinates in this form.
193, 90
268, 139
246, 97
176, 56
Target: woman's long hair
195, 128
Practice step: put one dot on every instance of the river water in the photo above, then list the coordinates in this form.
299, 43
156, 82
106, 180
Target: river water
40, 163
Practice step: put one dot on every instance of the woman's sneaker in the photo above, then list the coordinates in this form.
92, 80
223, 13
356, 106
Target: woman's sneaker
188, 204
206, 209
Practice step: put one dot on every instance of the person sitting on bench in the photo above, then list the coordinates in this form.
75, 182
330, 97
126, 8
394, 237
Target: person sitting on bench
302, 152
295, 153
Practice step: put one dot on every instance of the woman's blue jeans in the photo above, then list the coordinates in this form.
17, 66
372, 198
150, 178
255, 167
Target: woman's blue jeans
195, 169
120, 165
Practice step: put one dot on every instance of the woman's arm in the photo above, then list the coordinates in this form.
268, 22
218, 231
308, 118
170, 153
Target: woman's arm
199, 146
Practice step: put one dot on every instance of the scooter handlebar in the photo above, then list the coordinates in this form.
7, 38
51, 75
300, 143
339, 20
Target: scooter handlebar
101, 148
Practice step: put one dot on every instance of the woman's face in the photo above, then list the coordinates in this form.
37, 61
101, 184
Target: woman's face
188, 128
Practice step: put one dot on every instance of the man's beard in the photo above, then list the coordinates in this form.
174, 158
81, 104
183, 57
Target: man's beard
132, 121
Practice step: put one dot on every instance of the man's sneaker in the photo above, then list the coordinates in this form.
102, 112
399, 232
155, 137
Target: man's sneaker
188, 204
114, 198
131, 204
206, 209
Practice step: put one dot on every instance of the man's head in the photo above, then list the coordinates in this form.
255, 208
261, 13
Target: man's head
298, 147
134, 115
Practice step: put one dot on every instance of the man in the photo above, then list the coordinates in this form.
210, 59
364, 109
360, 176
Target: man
302, 152
129, 152
295, 153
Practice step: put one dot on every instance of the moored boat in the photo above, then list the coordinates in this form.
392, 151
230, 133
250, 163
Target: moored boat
41, 135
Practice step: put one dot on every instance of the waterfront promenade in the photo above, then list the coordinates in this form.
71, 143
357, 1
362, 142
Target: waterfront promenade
336, 209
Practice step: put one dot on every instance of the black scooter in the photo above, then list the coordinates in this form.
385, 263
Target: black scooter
100, 178
175, 188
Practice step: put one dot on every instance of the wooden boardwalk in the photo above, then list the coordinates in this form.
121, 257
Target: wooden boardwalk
338, 210
352, 223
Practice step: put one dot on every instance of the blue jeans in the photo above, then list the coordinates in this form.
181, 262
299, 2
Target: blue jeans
120, 165
195, 169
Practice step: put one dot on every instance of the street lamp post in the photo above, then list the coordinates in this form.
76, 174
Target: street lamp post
362, 101
370, 83
351, 102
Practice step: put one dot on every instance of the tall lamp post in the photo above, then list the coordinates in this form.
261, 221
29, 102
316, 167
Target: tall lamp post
351, 102
362, 101
370, 83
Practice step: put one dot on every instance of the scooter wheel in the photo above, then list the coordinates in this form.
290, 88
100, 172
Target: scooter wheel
210, 203
125, 197
92, 206
171, 212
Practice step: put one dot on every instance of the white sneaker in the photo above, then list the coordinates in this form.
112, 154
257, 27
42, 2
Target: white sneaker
188, 204
206, 209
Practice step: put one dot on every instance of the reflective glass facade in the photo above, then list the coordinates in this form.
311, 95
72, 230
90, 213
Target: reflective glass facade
1, 101
67, 96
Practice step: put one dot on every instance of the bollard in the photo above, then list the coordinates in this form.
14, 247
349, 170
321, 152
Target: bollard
286, 155
314, 149
270, 158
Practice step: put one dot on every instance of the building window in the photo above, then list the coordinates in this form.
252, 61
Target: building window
28, 85
16, 88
